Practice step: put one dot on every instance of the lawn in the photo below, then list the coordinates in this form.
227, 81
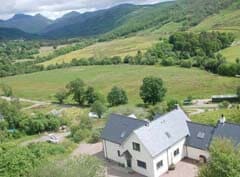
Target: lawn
211, 117
118, 47
226, 21
232, 53
180, 82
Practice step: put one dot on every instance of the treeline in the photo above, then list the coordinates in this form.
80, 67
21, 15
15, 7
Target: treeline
15, 50
9, 68
15, 123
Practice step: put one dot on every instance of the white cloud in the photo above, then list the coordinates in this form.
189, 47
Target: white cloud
56, 8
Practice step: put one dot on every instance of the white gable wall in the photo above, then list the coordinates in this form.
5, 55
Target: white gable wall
143, 155
111, 152
169, 158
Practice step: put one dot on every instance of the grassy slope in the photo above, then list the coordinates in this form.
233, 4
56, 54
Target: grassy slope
211, 117
226, 21
118, 47
180, 82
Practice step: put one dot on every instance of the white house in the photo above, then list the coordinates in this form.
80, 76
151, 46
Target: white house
150, 148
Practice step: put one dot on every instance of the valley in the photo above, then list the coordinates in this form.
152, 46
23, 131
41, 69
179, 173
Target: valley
63, 81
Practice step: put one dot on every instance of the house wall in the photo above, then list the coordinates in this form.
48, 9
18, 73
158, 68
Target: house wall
143, 155
111, 152
169, 158
194, 153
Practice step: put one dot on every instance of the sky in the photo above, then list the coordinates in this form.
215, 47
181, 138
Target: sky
56, 8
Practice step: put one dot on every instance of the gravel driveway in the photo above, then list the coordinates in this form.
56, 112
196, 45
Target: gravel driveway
183, 168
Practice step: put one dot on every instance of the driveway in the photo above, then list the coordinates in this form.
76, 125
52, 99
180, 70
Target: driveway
183, 168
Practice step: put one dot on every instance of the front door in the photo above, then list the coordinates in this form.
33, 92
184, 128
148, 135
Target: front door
129, 163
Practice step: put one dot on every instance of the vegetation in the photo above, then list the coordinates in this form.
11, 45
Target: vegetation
16, 123
212, 117
61, 95
152, 90
7, 90
99, 108
82, 131
72, 168
224, 161
117, 96
195, 82
20, 160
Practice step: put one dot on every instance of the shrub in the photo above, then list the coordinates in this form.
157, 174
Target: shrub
117, 96
186, 63
99, 108
168, 62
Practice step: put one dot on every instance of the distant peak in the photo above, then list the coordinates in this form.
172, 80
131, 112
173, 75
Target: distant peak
17, 16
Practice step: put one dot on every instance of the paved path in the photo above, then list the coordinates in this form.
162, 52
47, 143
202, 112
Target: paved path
44, 138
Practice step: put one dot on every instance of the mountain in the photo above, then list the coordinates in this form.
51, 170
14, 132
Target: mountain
12, 34
126, 18
26, 23
89, 24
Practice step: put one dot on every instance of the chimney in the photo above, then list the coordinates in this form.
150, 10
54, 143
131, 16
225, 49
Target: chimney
222, 119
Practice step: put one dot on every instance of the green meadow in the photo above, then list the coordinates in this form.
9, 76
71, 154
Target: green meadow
180, 82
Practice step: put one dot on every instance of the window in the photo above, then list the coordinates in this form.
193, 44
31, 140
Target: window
136, 147
176, 152
159, 164
118, 153
141, 164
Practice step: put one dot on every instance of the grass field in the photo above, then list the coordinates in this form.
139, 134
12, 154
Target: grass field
118, 47
211, 117
232, 53
226, 21
179, 82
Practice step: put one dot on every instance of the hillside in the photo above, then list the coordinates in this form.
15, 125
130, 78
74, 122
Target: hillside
194, 82
26, 23
12, 33
227, 20
117, 47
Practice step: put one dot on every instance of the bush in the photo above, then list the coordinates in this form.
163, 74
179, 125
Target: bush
99, 108
80, 135
168, 62
117, 96
7, 90
95, 137
186, 63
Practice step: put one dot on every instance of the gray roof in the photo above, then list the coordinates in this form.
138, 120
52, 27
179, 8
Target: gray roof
118, 128
229, 131
163, 132
200, 135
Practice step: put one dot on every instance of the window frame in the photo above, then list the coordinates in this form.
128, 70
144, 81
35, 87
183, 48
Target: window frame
141, 164
136, 146
159, 164
119, 153
176, 152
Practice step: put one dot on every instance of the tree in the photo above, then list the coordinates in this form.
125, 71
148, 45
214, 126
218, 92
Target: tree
117, 96
90, 95
152, 90
77, 89
7, 90
61, 95
224, 161
99, 108
171, 105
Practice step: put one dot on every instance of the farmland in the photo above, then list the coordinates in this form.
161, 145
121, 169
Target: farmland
118, 47
179, 82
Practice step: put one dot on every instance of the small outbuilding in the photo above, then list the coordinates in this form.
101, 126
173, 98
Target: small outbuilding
221, 98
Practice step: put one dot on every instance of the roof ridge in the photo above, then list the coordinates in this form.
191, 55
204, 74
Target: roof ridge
206, 125
126, 117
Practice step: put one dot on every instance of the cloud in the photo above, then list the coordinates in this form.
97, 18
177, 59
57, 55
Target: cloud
56, 8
